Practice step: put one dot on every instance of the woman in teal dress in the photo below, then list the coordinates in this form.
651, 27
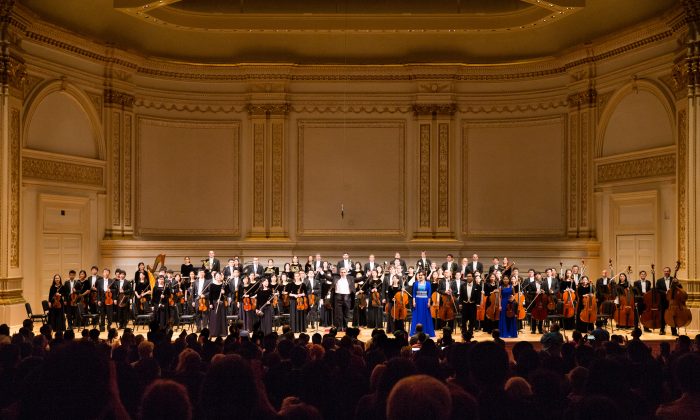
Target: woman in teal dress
421, 308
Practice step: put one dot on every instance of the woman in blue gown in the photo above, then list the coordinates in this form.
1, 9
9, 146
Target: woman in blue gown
508, 321
421, 306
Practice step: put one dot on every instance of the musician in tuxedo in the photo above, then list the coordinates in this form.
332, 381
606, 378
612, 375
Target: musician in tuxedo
423, 264
313, 287
496, 266
458, 282
255, 268
345, 263
531, 290
469, 299
663, 285
122, 290
200, 288
604, 290
370, 265
230, 267
343, 296
72, 311
89, 289
640, 288
551, 283
213, 263
106, 311
475, 266
318, 264
446, 287
449, 264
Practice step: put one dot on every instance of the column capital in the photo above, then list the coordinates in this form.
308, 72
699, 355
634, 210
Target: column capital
583, 98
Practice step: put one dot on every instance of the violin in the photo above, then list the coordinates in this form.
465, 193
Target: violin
202, 306
376, 299
677, 314
57, 301
651, 317
74, 296
302, 302
360, 297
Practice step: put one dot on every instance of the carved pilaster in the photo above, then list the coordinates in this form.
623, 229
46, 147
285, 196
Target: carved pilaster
582, 122
424, 176
258, 176
269, 127
682, 187
443, 176
14, 163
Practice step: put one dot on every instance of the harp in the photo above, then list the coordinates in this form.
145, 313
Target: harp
159, 261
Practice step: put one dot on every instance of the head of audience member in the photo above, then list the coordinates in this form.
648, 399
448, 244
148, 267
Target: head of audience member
419, 397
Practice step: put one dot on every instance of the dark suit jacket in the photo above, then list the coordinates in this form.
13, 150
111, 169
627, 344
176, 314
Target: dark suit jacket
449, 266
101, 289
216, 266
316, 289
638, 286
195, 287
555, 286
475, 297
479, 267
341, 265
259, 271
368, 269
421, 266
228, 271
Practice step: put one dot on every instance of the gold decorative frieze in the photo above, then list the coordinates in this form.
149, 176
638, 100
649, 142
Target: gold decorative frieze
511, 108
646, 167
11, 297
116, 98
443, 175
434, 109
61, 171
424, 176
188, 107
14, 163
582, 99
268, 109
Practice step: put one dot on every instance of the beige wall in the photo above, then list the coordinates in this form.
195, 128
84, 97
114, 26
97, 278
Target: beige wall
513, 160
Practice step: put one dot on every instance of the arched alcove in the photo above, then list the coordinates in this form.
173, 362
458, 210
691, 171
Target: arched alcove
61, 120
637, 119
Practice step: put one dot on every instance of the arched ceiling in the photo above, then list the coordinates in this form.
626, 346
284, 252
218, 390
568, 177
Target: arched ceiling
348, 31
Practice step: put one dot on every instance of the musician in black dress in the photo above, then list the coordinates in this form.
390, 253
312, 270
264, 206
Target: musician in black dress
217, 307
376, 298
162, 293
326, 308
488, 287
568, 283
247, 296
264, 311
585, 288
57, 315
295, 266
297, 317
395, 287
186, 268
142, 291
359, 313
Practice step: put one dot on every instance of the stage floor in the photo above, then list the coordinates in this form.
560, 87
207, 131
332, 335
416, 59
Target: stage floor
653, 339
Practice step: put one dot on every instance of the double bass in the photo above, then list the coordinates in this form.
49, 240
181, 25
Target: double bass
651, 317
540, 302
677, 314
481, 308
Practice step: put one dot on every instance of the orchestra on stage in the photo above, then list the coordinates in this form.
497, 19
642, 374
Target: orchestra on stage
394, 295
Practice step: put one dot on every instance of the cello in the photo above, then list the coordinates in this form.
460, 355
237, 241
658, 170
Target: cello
589, 311
481, 308
677, 314
540, 302
568, 298
624, 315
651, 317
493, 312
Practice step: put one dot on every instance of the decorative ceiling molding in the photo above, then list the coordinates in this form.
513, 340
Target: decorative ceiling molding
343, 16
